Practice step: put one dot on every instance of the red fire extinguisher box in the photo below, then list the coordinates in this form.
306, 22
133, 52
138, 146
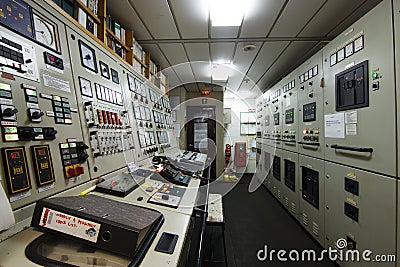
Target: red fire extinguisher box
240, 154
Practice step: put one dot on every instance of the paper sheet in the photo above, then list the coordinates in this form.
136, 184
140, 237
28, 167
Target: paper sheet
7, 216
334, 125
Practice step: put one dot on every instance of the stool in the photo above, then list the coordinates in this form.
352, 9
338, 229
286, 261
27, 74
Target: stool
216, 216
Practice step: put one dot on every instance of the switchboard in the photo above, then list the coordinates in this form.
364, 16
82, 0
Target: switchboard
311, 208
311, 107
290, 113
359, 94
275, 174
106, 124
353, 211
38, 107
274, 113
291, 190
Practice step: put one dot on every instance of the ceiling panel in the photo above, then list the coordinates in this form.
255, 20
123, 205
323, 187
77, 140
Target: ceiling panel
296, 53
191, 17
235, 79
367, 6
268, 53
243, 59
128, 18
294, 17
157, 16
224, 32
222, 52
260, 17
185, 73
246, 85
173, 79
174, 53
202, 71
198, 51
329, 16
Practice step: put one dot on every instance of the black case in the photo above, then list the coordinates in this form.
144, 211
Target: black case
124, 227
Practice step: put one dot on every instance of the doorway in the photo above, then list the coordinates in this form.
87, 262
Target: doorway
201, 133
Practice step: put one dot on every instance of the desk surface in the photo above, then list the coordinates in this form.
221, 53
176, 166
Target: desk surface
12, 251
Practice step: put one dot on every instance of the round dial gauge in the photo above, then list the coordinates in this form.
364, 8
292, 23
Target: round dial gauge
45, 32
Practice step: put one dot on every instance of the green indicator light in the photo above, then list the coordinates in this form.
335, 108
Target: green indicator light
375, 75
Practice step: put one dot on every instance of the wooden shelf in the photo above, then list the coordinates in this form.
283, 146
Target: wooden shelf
101, 38
126, 48
138, 60
88, 11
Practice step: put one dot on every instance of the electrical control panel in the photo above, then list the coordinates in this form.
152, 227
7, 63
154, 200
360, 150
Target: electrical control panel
311, 107
359, 94
266, 130
275, 109
350, 212
38, 110
139, 97
290, 188
106, 124
311, 173
289, 113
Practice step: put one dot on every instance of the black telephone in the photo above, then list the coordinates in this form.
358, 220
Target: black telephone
171, 174
159, 159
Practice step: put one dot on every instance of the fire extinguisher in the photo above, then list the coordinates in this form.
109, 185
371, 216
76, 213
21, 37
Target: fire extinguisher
228, 153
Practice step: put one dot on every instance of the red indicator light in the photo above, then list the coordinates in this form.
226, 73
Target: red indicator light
15, 155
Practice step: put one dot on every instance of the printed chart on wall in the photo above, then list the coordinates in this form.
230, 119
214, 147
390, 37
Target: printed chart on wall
251, 146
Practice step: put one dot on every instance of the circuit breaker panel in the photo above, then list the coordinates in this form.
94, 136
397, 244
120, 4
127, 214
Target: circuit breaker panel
38, 110
311, 107
289, 114
359, 95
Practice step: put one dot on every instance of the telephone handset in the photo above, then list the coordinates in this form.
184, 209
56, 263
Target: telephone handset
159, 159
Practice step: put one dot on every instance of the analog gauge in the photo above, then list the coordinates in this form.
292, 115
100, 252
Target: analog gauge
104, 70
86, 87
131, 83
88, 56
114, 76
45, 32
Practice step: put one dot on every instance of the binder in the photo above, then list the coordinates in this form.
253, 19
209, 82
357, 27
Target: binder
104, 223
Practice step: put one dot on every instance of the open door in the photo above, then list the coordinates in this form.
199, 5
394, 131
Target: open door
201, 132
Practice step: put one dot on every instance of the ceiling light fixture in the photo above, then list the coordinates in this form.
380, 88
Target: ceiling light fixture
226, 12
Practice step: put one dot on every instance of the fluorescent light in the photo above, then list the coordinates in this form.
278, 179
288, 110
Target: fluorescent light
226, 12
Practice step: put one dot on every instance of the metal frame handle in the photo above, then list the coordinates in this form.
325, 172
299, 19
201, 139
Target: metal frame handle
354, 149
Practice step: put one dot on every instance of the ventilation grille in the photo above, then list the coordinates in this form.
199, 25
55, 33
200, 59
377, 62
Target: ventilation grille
279, 195
315, 229
305, 219
286, 202
293, 208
